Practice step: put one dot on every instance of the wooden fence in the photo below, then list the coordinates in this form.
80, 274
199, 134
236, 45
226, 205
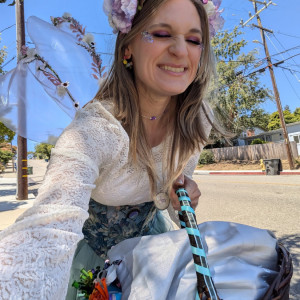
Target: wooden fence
254, 152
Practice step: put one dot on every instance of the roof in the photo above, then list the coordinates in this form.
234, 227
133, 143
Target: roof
271, 132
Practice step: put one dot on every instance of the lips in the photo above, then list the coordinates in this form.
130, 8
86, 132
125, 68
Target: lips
172, 68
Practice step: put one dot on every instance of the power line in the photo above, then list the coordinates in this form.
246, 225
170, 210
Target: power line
291, 85
281, 54
8, 61
294, 36
102, 33
7, 28
289, 69
281, 45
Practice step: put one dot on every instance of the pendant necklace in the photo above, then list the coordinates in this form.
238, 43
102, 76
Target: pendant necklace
152, 118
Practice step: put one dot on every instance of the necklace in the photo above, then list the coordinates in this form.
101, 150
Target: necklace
154, 117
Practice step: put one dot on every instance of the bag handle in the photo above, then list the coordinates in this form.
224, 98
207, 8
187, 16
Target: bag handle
188, 221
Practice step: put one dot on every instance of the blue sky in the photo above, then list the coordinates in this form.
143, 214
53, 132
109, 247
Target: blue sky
283, 19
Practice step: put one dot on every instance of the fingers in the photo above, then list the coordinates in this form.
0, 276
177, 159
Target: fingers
190, 186
179, 182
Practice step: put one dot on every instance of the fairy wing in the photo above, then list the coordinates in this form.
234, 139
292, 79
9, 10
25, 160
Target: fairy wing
30, 103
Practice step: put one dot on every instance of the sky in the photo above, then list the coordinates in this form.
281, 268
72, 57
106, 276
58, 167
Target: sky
283, 19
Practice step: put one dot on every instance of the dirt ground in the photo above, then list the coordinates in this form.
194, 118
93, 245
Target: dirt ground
240, 165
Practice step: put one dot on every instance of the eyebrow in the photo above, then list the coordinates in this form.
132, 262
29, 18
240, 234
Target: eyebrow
193, 30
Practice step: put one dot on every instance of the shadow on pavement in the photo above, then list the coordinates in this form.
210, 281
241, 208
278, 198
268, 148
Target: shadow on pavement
292, 243
4, 193
8, 184
9, 205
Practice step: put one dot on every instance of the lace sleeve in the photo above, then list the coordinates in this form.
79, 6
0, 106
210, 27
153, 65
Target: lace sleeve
36, 252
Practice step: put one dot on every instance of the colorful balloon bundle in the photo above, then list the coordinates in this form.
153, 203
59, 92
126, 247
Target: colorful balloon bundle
97, 284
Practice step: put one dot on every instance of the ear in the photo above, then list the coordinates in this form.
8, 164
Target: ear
128, 52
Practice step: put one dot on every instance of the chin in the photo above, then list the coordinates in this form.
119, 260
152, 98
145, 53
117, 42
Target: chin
175, 91
175, 88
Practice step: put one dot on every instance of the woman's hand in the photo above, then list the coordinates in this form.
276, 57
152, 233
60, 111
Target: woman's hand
190, 186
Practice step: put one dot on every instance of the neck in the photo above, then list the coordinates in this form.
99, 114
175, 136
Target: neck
156, 130
153, 110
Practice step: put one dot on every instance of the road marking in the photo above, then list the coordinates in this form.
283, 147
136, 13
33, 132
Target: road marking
247, 182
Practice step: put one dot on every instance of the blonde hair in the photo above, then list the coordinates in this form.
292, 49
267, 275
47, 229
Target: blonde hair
120, 87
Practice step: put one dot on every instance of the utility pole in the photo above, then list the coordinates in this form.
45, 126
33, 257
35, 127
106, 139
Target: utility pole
22, 180
276, 93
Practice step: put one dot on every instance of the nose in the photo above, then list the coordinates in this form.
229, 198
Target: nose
179, 46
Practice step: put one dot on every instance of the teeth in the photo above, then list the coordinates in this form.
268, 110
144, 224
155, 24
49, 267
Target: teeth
178, 70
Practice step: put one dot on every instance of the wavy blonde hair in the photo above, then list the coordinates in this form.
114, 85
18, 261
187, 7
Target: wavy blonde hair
120, 87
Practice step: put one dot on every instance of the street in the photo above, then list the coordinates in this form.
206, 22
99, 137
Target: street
269, 202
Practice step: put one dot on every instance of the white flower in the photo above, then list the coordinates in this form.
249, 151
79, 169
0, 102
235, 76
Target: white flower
100, 81
66, 15
65, 84
30, 55
88, 38
210, 8
41, 67
62, 89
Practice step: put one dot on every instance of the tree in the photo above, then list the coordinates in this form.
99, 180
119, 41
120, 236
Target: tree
11, 4
297, 114
239, 96
257, 141
274, 120
5, 156
3, 55
44, 150
6, 135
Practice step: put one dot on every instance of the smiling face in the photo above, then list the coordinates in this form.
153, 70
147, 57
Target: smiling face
167, 54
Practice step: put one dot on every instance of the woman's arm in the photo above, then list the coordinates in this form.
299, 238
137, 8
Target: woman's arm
36, 252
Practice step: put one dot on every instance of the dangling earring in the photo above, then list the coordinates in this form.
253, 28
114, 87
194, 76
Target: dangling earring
127, 61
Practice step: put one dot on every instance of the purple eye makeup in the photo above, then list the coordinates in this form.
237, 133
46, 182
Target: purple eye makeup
164, 35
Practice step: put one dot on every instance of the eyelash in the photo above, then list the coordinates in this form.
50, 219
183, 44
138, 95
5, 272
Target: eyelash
159, 35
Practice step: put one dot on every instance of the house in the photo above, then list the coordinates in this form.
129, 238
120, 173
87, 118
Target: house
249, 133
275, 136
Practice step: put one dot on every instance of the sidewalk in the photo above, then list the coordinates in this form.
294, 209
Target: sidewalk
243, 172
10, 207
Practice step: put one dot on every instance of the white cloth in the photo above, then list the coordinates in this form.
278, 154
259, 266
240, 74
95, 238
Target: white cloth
242, 261
90, 158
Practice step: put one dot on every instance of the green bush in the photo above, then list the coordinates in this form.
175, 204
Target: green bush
5, 156
257, 141
206, 157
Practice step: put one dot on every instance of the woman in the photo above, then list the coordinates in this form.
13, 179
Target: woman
127, 151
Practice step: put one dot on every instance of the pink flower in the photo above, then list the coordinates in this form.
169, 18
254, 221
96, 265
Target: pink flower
216, 22
120, 13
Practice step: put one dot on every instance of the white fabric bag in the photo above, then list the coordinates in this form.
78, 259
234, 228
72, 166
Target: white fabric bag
242, 261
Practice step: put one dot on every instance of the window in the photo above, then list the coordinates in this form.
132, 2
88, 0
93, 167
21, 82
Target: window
296, 138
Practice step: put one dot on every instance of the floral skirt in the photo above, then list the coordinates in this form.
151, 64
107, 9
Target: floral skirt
109, 225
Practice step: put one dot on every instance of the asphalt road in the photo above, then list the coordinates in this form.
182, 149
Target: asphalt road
269, 202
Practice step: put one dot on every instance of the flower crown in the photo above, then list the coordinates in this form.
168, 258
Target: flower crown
121, 14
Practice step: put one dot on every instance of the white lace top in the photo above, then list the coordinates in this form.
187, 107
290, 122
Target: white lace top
90, 159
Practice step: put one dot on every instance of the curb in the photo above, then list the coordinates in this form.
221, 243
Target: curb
199, 172
236, 173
